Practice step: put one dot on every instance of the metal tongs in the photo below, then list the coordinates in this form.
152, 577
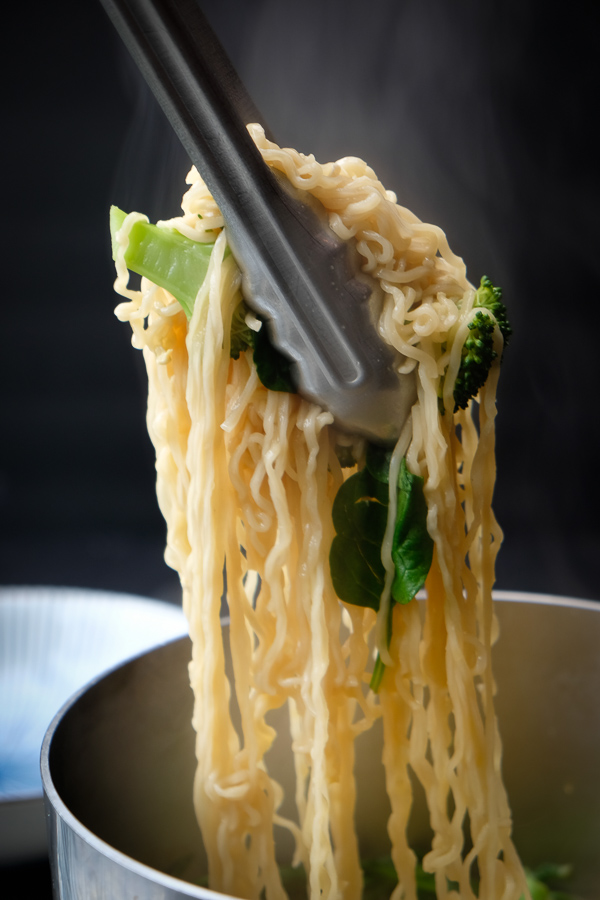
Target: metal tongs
297, 275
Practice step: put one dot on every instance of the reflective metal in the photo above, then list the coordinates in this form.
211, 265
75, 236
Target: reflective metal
296, 273
118, 763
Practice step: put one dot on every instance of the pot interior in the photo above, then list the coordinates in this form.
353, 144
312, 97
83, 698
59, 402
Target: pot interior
122, 756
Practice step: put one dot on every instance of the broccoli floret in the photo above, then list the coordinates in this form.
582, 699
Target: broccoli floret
478, 351
490, 297
478, 355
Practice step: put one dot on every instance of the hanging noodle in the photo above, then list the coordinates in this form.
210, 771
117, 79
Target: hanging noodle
239, 465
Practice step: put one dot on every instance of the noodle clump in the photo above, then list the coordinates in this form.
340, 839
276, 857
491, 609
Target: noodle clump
239, 465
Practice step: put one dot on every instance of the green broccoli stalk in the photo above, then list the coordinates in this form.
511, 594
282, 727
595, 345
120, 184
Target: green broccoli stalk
178, 264
478, 352
167, 258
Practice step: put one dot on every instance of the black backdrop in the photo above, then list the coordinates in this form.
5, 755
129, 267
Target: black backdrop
480, 115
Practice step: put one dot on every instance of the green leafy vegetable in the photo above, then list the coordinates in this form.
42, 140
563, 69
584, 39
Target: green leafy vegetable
412, 547
540, 881
166, 257
273, 368
360, 513
378, 461
380, 879
478, 352
359, 518
294, 881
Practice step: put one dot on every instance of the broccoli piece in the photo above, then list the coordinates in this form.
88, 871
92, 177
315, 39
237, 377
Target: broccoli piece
478, 355
478, 351
490, 297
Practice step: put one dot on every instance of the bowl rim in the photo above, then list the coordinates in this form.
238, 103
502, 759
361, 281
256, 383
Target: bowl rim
547, 599
51, 795
73, 593
166, 613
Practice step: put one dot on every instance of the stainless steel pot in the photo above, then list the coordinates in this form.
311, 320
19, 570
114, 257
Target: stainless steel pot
118, 763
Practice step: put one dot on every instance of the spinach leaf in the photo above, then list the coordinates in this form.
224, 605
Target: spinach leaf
378, 461
539, 881
360, 512
273, 368
380, 879
412, 547
359, 518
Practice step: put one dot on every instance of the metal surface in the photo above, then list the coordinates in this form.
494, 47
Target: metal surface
320, 309
118, 763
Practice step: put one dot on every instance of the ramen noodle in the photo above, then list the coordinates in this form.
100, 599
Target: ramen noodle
248, 475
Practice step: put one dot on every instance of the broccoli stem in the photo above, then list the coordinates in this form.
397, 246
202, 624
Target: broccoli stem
164, 256
378, 670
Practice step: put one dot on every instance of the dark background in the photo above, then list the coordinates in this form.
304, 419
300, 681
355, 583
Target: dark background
481, 116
